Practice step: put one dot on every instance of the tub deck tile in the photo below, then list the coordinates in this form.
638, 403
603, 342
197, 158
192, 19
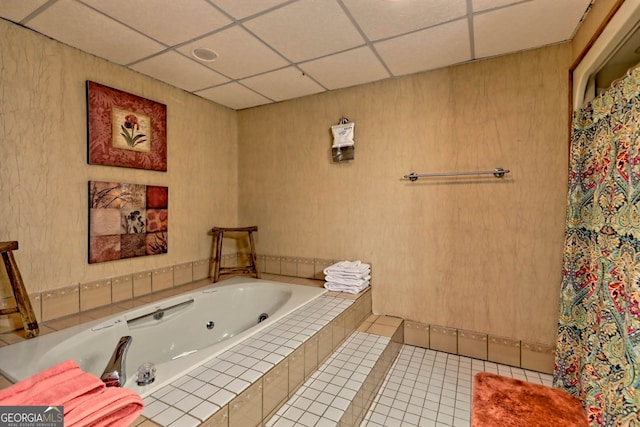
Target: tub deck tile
215, 383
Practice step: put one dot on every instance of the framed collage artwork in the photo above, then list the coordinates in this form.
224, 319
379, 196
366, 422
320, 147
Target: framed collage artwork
127, 220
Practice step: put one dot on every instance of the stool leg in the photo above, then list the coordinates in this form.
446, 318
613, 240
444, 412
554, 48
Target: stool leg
212, 259
252, 255
218, 236
20, 294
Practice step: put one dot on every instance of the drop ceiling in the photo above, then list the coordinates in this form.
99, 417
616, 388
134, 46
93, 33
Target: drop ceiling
275, 50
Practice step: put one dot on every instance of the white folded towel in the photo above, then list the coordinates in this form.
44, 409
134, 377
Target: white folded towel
346, 288
337, 273
346, 280
347, 264
353, 269
348, 276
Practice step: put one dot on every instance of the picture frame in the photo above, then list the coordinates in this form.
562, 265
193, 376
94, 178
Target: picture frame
125, 130
127, 220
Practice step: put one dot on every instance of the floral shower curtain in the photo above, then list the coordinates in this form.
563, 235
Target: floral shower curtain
597, 355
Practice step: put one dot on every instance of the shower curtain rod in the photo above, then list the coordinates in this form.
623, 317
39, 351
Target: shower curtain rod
497, 172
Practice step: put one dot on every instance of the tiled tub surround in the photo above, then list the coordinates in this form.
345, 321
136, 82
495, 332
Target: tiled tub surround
325, 321
234, 380
170, 333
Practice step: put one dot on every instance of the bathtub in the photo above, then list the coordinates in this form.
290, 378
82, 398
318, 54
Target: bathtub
177, 334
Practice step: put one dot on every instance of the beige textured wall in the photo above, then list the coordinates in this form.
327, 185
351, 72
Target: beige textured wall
43, 170
476, 254
479, 254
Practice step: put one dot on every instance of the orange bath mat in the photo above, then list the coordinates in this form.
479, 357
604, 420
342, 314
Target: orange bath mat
506, 402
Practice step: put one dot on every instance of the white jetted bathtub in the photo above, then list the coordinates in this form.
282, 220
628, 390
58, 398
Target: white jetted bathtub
176, 334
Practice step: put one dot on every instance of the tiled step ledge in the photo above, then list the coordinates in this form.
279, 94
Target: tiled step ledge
245, 386
341, 391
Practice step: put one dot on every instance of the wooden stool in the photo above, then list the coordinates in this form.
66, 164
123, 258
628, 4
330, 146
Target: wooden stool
23, 304
217, 270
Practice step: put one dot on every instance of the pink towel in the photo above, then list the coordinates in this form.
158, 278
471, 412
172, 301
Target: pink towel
85, 398
117, 407
54, 386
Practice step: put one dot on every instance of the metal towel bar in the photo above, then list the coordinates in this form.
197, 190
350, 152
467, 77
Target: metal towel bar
497, 172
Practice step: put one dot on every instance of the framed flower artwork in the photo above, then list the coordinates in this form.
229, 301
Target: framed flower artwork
125, 130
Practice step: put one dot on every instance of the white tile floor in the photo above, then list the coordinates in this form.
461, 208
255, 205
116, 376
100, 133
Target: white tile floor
434, 389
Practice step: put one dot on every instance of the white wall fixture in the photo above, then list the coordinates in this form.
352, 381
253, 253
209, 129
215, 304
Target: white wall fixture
343, 147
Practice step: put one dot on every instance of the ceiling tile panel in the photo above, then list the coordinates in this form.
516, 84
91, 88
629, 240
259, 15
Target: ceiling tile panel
346, 69
241, 9
80, 26
175, 69
168, 21
307, 29
234, 95
526, 25
17, 10
283, 84
428, 49
240, 54
480, 5
266, 47
383, 18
